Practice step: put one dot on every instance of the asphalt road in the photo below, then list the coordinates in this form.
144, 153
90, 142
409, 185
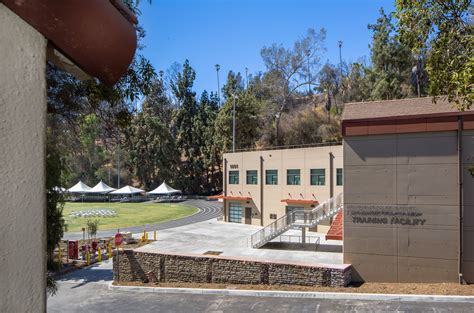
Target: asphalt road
87, 291
207, 210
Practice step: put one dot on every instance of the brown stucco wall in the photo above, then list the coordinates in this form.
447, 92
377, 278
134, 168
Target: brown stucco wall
22, 159
131, 266
401, 207
468, 199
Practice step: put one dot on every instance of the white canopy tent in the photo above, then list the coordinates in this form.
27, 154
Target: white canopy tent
101, 187
127, 190
164, 189
80, 187
59, 189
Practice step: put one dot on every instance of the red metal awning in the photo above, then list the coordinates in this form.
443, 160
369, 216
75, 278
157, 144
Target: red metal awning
300, 201
236, 198
219, 196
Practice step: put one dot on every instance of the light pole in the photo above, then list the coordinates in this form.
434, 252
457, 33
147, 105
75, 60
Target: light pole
340, 57
308, 53
218, 67
247, 76
233, 123
118, 162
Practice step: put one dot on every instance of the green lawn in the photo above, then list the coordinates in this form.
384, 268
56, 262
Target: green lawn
128, 214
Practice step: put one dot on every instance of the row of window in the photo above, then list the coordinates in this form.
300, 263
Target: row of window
293, 177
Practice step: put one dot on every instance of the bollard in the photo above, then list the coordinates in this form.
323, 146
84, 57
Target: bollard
88, 258
146, 236
99, 254
154, 235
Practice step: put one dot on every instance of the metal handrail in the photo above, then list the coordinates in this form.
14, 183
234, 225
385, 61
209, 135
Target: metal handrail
297, 218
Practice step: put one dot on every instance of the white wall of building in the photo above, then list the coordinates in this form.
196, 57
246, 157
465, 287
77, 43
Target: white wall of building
22, 165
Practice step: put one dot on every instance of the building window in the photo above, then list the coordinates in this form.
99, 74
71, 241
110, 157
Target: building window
290, 208
318, 177
234, 177
271, 177
252, 177
293, 177
339, 177
235, 213
273, 216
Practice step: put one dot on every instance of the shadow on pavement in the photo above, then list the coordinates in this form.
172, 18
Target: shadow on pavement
307, 247
93, 274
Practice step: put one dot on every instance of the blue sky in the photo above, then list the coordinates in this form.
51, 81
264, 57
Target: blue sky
232, 32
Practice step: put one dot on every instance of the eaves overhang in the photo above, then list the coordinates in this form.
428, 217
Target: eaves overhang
96, 35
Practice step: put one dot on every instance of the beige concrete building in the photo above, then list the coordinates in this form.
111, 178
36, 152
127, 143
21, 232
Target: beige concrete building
408, 191
261, 186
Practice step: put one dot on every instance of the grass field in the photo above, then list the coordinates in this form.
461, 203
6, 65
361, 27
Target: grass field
128, 214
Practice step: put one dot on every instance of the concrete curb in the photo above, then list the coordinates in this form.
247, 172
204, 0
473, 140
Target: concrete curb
299, 294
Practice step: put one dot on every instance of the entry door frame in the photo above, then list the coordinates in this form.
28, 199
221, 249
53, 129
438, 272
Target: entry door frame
248, 215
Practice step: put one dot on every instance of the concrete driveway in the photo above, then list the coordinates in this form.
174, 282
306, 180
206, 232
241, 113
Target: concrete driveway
87, 291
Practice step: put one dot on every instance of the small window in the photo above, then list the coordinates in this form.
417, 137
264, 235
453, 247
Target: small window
339, 177
273, 216
271, 177
234, 177
252, 177
318, 177
293, 177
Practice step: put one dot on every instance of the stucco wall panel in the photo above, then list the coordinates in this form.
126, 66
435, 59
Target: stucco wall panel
379, 150
383, 239
444, 174
424, 148
365, 190
428, 242
469, 242
468, 215
426, 270
383, 268
468, 268
413, 184
22, 151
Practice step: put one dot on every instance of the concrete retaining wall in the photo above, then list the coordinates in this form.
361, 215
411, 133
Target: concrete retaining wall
137, 266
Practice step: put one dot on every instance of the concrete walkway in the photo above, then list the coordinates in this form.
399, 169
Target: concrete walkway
231, 239
207, 210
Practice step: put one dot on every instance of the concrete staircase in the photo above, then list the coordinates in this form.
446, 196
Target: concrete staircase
297, 219
335, 231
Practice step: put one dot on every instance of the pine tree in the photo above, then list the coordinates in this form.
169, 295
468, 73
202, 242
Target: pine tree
151, 146
390, 73
186, 133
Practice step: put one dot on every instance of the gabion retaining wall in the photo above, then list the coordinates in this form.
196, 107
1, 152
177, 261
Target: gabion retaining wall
130, 266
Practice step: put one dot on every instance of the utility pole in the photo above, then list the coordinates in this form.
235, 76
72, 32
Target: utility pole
233, 124
218, 67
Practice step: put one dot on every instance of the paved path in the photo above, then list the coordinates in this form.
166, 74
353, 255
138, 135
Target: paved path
207, 210
87, 291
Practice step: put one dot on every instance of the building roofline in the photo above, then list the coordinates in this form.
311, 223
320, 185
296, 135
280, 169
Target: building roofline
300, 146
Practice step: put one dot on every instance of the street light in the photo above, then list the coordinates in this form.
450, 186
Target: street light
218, 67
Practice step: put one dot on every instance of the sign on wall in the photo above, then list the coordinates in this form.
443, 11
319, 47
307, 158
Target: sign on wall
385, 214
